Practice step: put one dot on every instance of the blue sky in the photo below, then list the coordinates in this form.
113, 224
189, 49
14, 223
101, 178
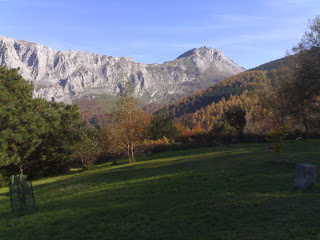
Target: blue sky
249, 32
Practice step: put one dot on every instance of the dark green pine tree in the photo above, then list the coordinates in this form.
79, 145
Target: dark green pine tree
53, 155
34, 133
21, 127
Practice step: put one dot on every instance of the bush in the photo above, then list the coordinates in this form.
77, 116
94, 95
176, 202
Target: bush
277, 137
87, 147
160, 145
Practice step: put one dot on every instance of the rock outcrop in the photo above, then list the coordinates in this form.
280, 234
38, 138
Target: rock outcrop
69, 75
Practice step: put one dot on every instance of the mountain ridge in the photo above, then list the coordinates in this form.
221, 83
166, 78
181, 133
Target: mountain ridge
232, 86
70, 75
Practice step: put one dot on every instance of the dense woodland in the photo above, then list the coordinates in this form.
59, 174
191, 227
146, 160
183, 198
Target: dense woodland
272, 102
234, 85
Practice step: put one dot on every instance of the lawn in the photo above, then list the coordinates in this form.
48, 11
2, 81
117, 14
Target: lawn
228, 192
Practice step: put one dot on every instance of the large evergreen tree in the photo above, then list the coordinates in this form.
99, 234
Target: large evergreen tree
54, 153
33, 132
21, 126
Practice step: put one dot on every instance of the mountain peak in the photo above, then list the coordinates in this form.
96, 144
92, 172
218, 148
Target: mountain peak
70, 75
199, 51
206, 58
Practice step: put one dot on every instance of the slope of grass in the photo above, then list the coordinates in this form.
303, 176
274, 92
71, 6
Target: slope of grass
99, 104
228, 192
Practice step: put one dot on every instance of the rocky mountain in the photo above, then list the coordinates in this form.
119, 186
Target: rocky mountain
70, 75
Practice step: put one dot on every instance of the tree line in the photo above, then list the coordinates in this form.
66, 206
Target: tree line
41, 138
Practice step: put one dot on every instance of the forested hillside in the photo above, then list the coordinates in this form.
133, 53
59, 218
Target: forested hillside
234, 85
280, 94
272, 65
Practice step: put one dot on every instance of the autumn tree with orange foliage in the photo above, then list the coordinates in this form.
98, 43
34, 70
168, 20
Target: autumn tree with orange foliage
113, 142
130, 123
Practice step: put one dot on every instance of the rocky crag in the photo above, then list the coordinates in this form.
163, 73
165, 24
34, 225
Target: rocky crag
70, 75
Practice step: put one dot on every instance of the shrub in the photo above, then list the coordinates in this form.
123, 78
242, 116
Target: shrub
277, 137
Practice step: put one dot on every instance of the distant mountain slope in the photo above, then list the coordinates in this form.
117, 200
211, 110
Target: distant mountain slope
234, 85
271, 65
70, 75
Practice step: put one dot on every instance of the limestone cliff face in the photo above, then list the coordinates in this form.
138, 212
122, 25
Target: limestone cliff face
69, 75
205, 58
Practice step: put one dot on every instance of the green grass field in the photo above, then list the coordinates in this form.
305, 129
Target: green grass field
227, 192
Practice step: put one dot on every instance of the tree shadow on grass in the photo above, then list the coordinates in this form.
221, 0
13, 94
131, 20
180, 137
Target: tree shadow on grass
197, 163
207, 165
178, 206
216, 194
144, 169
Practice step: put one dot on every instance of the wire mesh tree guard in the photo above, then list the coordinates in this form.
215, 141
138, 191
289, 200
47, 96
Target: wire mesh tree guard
21, 194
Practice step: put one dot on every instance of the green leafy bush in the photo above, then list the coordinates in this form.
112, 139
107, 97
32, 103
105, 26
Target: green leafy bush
277, 137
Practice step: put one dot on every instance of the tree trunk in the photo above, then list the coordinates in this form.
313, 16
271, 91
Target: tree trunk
305, 121
132, 153
129, 153
114, 159
20, 166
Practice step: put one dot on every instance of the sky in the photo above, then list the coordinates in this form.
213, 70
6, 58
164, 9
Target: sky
250, 33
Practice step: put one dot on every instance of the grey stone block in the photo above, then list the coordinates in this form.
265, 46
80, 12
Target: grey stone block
305, 175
